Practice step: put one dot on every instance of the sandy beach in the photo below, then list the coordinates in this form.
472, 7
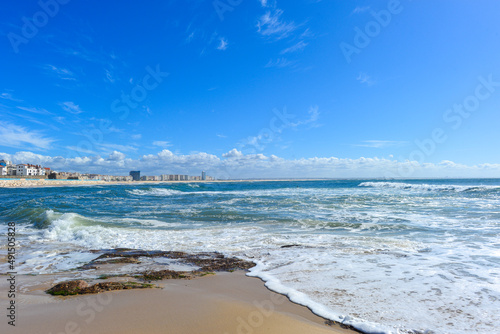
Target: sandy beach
222, 303
28, 183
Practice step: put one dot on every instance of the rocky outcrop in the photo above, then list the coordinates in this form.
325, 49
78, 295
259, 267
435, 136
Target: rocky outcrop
80, 287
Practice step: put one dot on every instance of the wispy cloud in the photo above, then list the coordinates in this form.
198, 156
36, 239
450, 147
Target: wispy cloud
110, 146
272, 25
222, 44
8, 96
61, 73
18, 137
71, 107
265, 137
312, 120
190, 37
161, 143
280, 63
80, 150
381, 143
294, 48
365, 79
109, 76
40, 111
360, 9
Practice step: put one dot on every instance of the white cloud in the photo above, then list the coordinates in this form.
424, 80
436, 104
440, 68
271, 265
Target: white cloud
222, 44
364, 78
109, 76
12, 135
62, 73
109, 146
360, 9
116, 156
294, 48
267, 136
137, 136
40, 111
381, 143
8, 96
313, 118
79, 149
271, 25
71, 107
190, 37
279, 63
234, 153
235, 164
161, 143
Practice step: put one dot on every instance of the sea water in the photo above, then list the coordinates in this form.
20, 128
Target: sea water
383, 256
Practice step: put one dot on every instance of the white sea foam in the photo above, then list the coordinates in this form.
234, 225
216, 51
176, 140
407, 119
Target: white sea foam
320, 273
148, 222
155, 192
427, 187
319, 309
379, 259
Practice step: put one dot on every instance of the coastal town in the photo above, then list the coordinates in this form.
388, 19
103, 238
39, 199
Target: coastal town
8, 170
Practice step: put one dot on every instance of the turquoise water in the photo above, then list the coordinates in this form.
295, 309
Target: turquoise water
385, 256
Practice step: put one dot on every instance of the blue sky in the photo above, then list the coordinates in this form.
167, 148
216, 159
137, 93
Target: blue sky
249, 88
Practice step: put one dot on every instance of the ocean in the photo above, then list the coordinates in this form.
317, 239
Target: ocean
403, 256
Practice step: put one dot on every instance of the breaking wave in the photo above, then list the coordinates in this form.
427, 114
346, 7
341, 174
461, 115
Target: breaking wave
430, 187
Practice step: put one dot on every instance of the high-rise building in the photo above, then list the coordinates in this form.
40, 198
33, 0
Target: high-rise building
203, 176
136, 175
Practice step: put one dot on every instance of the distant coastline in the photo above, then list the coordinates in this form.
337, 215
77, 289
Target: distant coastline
35, 183
32, 183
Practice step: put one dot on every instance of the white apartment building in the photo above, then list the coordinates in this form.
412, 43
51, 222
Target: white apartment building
29, 170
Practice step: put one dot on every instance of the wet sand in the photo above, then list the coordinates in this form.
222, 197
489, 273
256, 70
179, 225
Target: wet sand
222, 303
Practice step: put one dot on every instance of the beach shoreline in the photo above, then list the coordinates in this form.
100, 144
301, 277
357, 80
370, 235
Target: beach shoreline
221, 303
37, 183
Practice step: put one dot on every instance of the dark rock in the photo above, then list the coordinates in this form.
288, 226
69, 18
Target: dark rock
68, 288
208, 261
80, 287
165, 274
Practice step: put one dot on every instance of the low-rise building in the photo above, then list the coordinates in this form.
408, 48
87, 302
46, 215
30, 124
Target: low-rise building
29, 170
